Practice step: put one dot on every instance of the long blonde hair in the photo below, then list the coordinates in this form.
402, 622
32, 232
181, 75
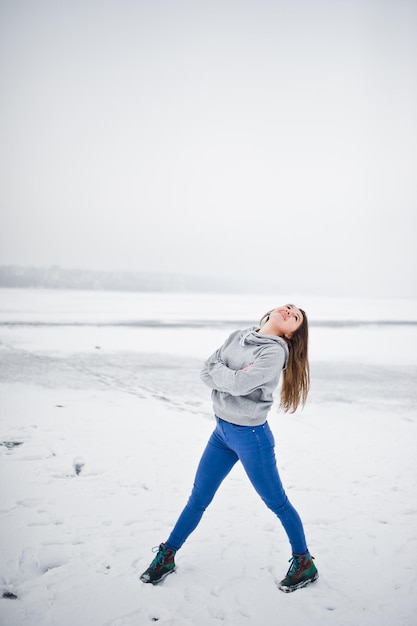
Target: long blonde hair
296, 376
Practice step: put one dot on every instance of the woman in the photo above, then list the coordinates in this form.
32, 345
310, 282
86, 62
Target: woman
243, 374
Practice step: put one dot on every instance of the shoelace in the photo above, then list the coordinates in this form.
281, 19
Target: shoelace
295, 565
159, 559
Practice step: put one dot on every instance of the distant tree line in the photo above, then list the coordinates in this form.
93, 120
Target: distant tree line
55, 277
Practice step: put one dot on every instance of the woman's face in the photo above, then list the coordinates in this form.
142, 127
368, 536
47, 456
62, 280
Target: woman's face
285, 320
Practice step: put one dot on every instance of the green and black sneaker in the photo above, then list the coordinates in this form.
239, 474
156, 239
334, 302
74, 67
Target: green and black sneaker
162, 565
302, 571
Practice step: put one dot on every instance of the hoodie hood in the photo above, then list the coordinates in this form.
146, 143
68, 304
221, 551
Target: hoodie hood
251, 336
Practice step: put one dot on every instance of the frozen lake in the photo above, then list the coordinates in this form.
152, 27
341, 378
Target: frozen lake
154, 343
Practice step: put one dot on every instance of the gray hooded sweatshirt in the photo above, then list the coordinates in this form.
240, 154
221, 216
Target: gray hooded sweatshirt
245, 397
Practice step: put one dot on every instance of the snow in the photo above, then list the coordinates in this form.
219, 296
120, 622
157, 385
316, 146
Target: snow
109, 437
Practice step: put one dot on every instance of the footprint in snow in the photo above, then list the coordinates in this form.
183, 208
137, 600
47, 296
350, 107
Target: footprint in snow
35, 562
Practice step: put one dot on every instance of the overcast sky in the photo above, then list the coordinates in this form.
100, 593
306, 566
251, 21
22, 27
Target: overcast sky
263, 139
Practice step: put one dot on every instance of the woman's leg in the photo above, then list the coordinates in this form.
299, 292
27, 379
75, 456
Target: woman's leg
255, 448
216, 462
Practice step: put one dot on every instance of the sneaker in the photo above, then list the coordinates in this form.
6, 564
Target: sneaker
162, 565
302, 571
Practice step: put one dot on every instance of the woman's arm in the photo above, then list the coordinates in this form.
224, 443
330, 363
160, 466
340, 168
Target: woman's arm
205, 374
242, 382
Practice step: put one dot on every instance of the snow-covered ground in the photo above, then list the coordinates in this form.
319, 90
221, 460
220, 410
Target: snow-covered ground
104, 418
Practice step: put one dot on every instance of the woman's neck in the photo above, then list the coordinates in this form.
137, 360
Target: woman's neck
268, 329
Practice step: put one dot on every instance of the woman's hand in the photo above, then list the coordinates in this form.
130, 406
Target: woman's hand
245, 369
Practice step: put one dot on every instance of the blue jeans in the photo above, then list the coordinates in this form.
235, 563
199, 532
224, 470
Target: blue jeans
254, 447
